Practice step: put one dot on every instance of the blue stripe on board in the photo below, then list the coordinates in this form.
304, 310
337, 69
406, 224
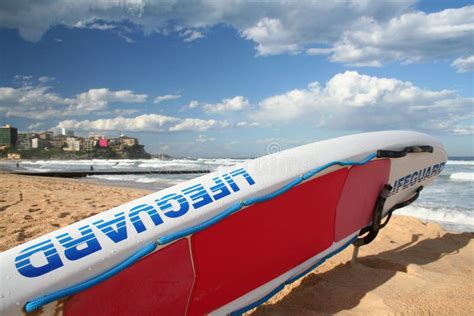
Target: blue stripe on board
234, 208
291, 280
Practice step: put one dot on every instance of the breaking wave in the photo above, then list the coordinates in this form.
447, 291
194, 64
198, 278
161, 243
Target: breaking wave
461, 162
462, 176
458, 219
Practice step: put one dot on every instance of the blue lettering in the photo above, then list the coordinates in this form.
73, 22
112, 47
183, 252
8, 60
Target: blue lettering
422, 175
231, 182
428, 172
434, 170
172, 205
198, 194
400, 183
413, 178
116, 234
417, 176
137, 221
167, 208
244, 173
26, 268
406, 182
80, 247
441, 167
220, 189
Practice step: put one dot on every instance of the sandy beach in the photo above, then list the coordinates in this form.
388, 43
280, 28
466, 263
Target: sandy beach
411, 268
32, 206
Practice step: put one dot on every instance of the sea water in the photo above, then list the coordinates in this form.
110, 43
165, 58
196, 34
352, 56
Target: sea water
448, 201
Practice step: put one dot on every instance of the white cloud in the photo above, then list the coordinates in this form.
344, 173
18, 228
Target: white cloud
95, 25
166, 97
144, 123
191, 35
274, 26
463, 130
40, 102
45, 79
234, 104
247, 124
117, 112
34, 126
411, 37
272, 37
464, 64
196, 124
237, 103
204, 139
193, 104
147, 122
357, 32
354, 101
97, 99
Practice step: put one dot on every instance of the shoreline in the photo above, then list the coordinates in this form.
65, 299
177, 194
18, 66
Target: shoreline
406, 269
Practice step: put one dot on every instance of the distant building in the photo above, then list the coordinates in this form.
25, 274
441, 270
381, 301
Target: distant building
31, 135
129, 141
23, 142
114, 141
38, 143
88, 144
58, 141
67, 133
46, 135
72, 144
8, 136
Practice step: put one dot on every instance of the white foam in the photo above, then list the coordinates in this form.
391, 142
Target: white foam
462, 176
449, 216
138, 179
461, 162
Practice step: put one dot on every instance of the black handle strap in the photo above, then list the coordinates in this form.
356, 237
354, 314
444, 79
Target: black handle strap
404, 152
373, 230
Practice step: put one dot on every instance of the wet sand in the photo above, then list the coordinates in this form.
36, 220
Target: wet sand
411, 268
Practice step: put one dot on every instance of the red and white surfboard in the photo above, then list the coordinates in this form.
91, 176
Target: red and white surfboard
224, 242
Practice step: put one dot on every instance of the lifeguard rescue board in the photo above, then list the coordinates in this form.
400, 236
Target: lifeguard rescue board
225, 242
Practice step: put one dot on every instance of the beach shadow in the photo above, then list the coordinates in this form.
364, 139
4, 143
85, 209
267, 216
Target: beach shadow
343, 287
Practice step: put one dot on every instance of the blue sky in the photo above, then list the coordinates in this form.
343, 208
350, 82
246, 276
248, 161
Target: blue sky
233, 79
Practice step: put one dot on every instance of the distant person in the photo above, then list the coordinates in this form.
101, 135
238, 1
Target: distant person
92, 168
18, 165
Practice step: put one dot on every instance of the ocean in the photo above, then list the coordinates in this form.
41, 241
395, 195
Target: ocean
448, 201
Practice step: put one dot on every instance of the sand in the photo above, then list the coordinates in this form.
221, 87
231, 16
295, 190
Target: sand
32, 206
411, 268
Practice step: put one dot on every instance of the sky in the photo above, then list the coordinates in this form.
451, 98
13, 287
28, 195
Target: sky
237, 78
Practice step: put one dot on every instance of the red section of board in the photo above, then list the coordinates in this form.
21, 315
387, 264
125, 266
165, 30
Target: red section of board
263, 241
159, 284
356, 206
